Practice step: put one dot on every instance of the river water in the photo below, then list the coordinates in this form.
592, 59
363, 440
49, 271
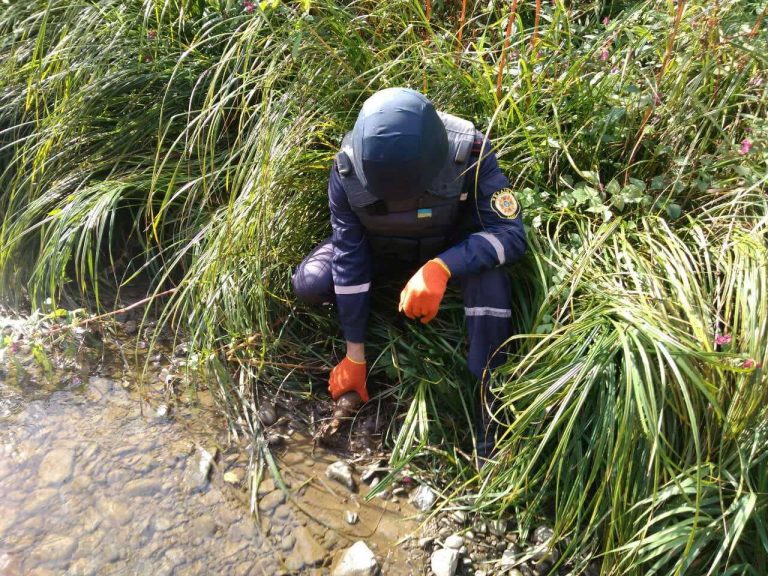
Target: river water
102, 475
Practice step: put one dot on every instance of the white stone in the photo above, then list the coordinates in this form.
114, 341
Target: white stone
444, 562
341, 472
423, 498
455, 541
351, 517
358, 560
56, 467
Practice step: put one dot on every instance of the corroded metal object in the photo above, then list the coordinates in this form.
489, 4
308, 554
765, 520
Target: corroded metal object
346, 406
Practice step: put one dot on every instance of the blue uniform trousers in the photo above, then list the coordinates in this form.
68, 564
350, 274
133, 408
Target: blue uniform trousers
487, 309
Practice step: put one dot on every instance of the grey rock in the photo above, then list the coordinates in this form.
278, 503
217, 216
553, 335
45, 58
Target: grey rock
306, 552
351, 517
469, 535
372, 471
57, 466
198, 469
454, 541
341, 472
54, 549
143, 487
426, 542
498, 527
271, 500
481, 573
508, 558
357, 560
423, 498
444, 562
542, 534
459, 516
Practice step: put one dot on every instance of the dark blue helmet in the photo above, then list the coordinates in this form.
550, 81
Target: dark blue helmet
399, 144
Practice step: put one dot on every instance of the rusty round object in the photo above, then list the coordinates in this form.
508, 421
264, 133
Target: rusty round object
347, 404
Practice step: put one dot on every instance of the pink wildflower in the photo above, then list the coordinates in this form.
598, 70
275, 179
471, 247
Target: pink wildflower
152, 34
722, 339
604, 55
249, 7
746, 146
606, 21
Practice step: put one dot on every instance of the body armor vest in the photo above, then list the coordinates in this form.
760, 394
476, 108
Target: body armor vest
415, 229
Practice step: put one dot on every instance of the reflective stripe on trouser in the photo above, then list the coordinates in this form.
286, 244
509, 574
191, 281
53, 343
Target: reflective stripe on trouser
487, 307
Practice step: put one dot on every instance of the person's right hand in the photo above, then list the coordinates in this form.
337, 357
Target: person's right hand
348, 376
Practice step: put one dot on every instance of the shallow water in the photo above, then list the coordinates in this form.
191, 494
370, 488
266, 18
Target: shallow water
97, 478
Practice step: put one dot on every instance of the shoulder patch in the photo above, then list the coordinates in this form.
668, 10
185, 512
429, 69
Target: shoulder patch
505, 204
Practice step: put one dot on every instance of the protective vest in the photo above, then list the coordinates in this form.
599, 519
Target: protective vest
415, 229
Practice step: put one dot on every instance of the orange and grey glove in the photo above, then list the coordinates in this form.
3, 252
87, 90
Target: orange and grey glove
422, 295
348, 376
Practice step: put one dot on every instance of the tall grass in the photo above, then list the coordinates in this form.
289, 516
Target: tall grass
187, 145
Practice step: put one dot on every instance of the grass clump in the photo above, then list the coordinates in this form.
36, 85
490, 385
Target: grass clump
187, 145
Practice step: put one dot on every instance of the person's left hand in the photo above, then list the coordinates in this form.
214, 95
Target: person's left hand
423, 293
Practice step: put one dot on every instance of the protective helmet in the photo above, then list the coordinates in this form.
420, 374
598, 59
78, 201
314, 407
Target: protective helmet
399, 144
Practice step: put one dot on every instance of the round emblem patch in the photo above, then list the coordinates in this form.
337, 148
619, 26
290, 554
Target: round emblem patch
505, 204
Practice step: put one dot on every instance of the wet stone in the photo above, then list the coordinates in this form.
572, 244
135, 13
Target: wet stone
358, 560
341, 472
444, 562
307, 551
287, 542
198, 469
142, 487
54, 549
423, 498
203, 527
56, 466
271, 501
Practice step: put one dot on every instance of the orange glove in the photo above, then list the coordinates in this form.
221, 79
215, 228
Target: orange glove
422, 295
348, 376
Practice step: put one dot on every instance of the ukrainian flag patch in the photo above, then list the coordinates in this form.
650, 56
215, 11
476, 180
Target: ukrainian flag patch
424, 213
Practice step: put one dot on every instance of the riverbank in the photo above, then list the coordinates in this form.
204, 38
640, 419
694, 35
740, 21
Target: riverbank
112, 462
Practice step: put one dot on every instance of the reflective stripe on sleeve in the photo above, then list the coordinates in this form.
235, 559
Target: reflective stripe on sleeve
486, 311
357, 289
493, 241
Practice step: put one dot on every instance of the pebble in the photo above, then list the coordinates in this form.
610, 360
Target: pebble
425, 542
542, 534
454, 541
287, 542
54, 549
234, 476
357, 560
198, 469
271, 500
142, 487
351, 517
444, 532
371, 471
423, 498
57, 466
459, 516
341, 472
306, 552
444, 562
508, 558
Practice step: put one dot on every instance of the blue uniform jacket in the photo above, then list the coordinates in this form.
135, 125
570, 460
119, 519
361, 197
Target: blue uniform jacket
496, 239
